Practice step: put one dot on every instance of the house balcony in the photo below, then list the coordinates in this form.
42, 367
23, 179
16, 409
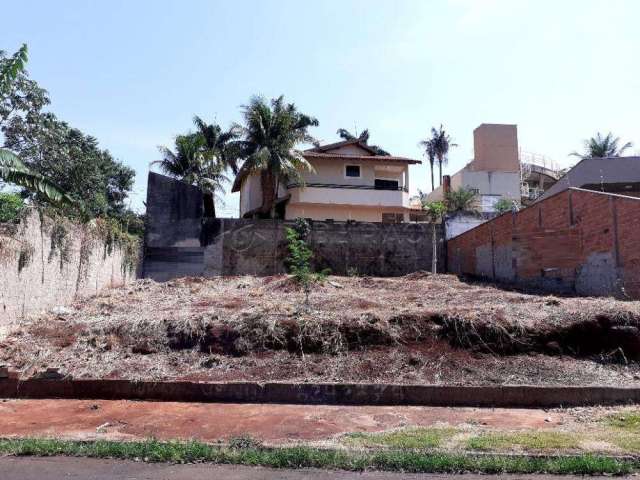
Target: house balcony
336, 194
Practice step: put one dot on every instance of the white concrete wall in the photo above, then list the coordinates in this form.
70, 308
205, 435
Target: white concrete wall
506, 184
251, 193
44, 281
459, 224
340, 212
347, 196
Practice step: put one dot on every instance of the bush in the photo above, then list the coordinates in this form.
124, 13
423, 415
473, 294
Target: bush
300, 256
461, 200
11, 207
505, 205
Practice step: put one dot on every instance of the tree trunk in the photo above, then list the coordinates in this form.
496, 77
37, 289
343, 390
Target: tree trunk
273, 205
433, 183
440, 169
434, 253
267, 182
209, 205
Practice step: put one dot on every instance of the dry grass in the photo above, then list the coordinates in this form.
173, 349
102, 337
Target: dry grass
414, 329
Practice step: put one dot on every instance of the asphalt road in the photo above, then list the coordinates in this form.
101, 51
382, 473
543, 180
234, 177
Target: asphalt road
61, 468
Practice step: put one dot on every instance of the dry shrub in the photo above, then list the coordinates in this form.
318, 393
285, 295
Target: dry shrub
60, 334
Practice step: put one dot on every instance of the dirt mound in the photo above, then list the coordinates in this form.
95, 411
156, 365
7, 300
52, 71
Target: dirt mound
583, 336
418, 328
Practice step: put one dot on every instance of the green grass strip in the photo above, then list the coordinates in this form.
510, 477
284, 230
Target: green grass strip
301, 457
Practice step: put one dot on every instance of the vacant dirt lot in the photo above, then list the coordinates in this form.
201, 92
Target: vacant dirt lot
415, 329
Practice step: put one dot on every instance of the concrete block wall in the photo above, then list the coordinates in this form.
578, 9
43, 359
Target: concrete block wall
34, 278
578, 241
259, 247
180, 242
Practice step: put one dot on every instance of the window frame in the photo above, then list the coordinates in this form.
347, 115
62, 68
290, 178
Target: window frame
346, 165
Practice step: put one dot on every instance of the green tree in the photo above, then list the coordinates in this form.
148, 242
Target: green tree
363, 137
11, 68
191, 162
436, 212
71, 160
271, 133
11, 206
441, 144
21, 96
603, 147
52, 161
430, 152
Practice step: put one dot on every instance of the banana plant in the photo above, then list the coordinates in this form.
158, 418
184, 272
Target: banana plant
13, 170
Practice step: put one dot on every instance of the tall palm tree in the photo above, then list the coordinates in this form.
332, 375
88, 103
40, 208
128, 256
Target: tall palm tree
271, 132
363, 137
603, 147
430, 152
13, 170
192, 164
442, 142
220, 145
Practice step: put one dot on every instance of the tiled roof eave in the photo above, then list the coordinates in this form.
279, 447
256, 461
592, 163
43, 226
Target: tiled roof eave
366, 158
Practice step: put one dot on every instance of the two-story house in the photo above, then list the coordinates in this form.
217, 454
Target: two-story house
350, 181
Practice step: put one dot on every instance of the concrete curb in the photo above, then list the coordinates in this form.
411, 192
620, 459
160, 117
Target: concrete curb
329, 394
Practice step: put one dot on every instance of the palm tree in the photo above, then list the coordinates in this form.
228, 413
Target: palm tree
220, 146
271, 132
430, 152
13, 170
363, 137
191, 163
602, 147
442, 142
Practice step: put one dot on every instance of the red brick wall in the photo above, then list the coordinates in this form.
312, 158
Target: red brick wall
577, 241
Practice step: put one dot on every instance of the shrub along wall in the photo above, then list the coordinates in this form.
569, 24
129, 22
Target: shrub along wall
46, 262
577, 241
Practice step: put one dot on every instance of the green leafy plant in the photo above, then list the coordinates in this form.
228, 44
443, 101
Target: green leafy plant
461, 200
300, 256
11, 207
504, 205
110, 231
13, 170
12, 67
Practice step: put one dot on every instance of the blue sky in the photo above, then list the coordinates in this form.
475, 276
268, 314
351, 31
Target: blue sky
133, 73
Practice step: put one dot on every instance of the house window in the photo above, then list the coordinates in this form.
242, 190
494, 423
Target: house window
352, 171
382, 184
392, 217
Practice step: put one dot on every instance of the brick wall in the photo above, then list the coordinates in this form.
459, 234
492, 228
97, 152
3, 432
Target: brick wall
577, 241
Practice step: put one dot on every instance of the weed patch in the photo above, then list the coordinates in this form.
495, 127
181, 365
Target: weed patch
533, 441
306, 457
418, 438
